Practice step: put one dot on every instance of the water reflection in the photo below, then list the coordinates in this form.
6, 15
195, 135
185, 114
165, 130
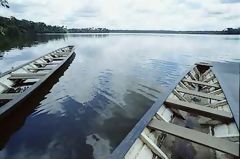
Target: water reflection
111, 83
7, 44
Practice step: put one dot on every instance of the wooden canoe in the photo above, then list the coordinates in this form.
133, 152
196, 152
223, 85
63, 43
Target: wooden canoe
19, 83
193, 120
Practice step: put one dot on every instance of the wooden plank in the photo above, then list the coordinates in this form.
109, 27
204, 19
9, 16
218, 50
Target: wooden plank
41, 69
178, 95
40, 63
134, 150
184, 85
206, 72
209, 79
53, 63
197, 72
41, 59
153, 146
25, 69
198, 109
8, 96
197, 137
145, 153
191, 75
4, 85
201, 83
27, 75
200, 94
217, 104
58, 59
218, 91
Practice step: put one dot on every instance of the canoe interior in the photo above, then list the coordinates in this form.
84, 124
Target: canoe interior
195, 121
16, 82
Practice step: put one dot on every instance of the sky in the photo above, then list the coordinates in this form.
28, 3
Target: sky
129, 14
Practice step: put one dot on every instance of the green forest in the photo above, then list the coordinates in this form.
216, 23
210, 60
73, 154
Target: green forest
13, 27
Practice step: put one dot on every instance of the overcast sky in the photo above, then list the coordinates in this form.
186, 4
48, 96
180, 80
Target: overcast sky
130, 14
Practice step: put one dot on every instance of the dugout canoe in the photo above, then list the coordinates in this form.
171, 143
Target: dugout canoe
19, 83
197, 118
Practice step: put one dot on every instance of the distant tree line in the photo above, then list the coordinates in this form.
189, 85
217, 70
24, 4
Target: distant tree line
232, 30
225, 31
13, 27
88, 30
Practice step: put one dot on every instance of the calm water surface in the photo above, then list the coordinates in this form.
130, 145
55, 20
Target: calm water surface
94, 102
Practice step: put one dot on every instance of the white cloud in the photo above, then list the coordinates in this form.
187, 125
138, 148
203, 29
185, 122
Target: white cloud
135, 14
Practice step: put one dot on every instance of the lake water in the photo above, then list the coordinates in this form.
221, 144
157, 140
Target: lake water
95, 101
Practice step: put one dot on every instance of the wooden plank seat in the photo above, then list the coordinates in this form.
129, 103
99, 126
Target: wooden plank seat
209, 78
40, 64
217, 104
58, 59
26, 75
54, 55
8, 96
195, 136
4, 85
41, 69
201, 83
153, 146
52, 63
200, 94
198, 109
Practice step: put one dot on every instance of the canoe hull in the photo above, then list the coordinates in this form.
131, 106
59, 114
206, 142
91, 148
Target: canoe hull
200, 100
11, 105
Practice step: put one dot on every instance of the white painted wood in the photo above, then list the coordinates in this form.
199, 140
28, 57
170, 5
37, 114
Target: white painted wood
6, 81
200, 94
145, 153
217, 104
196, 136
206, 72
175, 92
8, 96
192, 76
165, 113
201, 83
183, 85
197, 72
4, 86
209, 78
153, 146
226, 130
134, 150
217, 91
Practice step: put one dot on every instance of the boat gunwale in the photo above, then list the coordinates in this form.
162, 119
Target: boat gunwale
134, 134
16, 101
232, 103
